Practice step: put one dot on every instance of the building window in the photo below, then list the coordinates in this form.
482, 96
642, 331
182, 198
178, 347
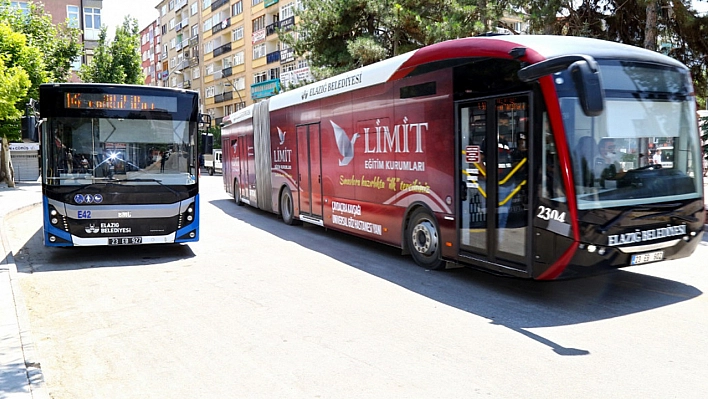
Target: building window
92, 18
259, 50
195, 30
195, 73
72, 14
22, 5
256, 2
237, 8
172, 24
207, 25
92, 23
172, 5
210, 91
259, 23
287, 11
206, 4
163, 10
260, 77
239, 58
194, 8
237, 34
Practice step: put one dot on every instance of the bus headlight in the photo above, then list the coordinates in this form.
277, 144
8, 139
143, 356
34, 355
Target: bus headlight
54, 221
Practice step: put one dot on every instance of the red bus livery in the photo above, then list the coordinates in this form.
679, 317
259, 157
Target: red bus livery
522, 155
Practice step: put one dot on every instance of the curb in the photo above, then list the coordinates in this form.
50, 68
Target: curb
35, 377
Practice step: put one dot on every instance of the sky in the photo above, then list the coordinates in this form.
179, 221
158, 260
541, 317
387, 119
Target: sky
144, 10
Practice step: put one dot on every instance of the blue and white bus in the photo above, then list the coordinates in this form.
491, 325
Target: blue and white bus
119, 164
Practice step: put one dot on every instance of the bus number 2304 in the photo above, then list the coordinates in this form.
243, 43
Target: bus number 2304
546, 213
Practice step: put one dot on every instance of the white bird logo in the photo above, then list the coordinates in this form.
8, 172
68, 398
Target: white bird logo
281, 135
346, 147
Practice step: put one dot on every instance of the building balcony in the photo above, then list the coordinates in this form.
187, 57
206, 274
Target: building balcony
222, 50
218, 3
194, 40
219, 27
287, 24
226, 71
229, 95
219, 98
265, 89
187, 84
271, 29
194, 61
268, 3
273, 57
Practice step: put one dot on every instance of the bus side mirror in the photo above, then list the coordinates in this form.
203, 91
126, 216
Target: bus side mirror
586, 78
585, 74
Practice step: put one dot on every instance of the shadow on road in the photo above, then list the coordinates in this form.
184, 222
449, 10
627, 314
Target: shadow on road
64, 258
515, 303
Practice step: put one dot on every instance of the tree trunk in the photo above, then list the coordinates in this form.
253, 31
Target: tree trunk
650, 28
6, 171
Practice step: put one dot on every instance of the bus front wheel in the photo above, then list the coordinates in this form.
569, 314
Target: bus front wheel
423, 240
287, 209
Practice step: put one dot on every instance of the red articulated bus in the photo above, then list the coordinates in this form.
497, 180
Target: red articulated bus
521, 155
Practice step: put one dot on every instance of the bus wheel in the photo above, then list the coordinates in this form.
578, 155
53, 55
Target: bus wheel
287, 209
211, 171
237, 194
423, 240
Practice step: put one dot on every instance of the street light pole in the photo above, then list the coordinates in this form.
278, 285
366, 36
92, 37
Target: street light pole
230, 83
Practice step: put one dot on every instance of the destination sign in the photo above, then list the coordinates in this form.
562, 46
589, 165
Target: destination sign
122, 102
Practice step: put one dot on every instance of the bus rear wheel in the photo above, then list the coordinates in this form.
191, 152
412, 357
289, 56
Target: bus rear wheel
237, 194
211, 171
287, 209
423, 240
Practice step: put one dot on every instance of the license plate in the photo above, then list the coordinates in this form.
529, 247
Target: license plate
125, 241
647, 257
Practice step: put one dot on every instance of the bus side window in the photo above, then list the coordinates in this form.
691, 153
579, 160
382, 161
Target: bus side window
551, 186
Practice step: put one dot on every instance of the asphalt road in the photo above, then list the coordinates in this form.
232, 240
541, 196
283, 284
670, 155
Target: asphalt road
258, 309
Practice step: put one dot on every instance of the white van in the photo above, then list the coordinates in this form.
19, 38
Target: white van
212, 162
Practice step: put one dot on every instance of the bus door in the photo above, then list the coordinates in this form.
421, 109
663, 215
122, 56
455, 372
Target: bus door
243, 148
494, 196
309, 164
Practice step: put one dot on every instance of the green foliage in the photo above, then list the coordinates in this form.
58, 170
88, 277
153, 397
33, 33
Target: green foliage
340, 35
117, 61
59, 44
19, 65
216, 132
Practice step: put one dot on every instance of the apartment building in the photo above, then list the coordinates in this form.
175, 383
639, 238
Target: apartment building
228, 50
83, 14
150, 51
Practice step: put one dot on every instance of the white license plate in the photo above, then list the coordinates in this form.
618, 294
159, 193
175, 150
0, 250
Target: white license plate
647, 257
125, 241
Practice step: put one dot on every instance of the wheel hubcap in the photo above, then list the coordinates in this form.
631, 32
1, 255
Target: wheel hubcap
425, 238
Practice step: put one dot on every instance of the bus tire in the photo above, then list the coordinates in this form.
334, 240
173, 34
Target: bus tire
287, 207
423, 240
237, 195
211, 171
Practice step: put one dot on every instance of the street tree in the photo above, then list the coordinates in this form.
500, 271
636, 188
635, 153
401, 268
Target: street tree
21, 72
59, 44
668, 26
116, 61
341, 35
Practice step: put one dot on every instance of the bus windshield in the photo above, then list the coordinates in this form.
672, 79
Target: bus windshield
644, 148
130, 151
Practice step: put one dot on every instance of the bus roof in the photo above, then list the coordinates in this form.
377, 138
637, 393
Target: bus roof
538, 48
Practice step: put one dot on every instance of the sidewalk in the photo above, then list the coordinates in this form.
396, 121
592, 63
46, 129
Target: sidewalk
20, 371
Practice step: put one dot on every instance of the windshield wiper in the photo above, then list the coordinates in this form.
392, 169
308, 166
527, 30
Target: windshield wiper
603, 229
150, 180
671, 214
